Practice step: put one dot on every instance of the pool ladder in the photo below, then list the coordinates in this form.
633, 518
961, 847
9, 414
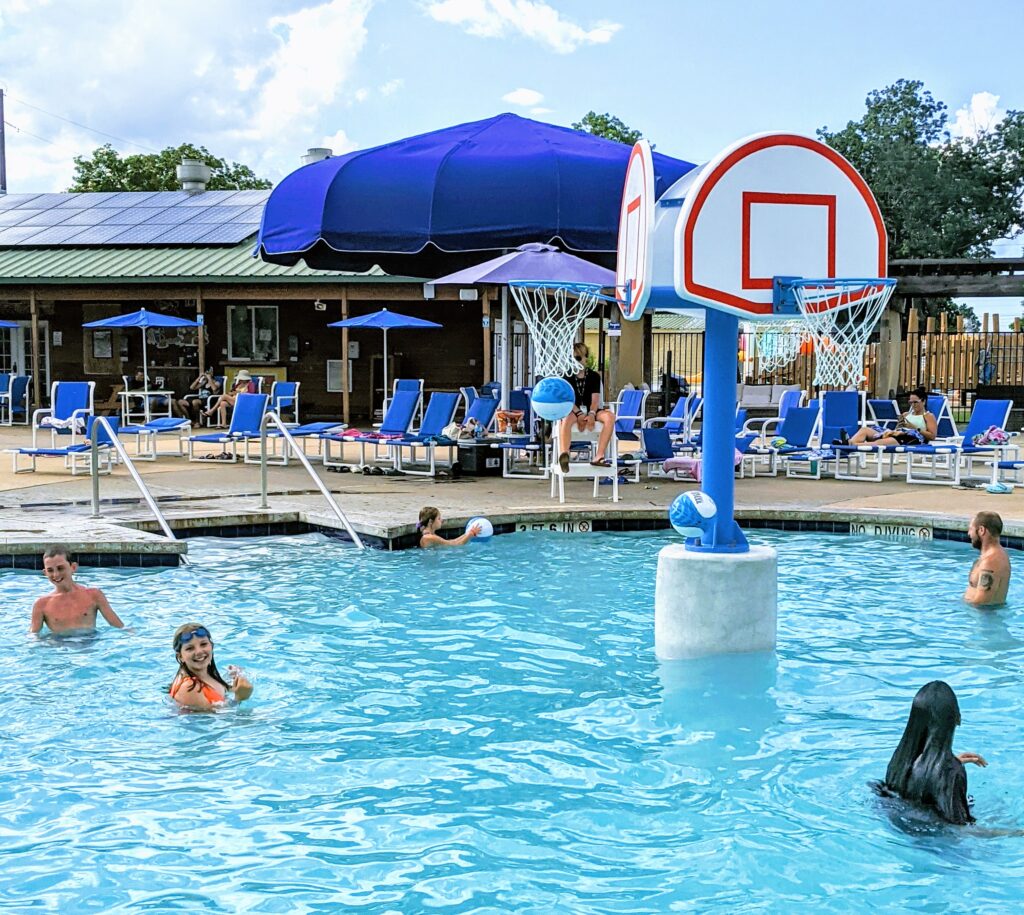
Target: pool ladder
271, 418
94, 470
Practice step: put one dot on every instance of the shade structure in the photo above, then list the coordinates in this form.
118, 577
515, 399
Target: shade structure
8, 323
534, 263
385, 320
437, 202
142, 319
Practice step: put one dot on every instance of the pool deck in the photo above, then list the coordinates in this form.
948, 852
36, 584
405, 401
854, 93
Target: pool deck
223, 498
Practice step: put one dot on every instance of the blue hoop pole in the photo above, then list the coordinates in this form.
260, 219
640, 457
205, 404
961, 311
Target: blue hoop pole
718, 434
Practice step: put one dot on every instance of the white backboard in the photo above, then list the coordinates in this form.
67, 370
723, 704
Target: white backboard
636, 232
770, 205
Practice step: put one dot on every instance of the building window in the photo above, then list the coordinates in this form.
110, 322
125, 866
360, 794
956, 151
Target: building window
252, 333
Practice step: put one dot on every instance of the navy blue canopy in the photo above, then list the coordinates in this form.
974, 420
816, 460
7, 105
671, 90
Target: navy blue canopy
430, 204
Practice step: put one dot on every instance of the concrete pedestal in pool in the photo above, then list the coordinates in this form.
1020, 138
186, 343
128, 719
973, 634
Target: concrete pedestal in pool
714, 603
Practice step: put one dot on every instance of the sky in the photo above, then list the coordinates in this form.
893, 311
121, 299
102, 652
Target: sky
258, 82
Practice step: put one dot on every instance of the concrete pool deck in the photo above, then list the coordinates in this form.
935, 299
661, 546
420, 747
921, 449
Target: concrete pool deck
223, 498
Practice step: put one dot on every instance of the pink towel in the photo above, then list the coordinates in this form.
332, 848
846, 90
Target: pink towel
691, 466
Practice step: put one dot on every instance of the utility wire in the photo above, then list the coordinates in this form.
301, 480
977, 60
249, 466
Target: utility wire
102, 133
28, 133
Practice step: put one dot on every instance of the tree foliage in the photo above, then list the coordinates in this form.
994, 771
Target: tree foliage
607, 126
941, 196
107, 170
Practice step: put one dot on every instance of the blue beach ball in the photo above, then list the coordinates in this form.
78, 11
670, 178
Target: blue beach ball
692, 513
552, 398
486, 528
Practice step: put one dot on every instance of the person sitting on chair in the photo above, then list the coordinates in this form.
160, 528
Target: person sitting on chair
916, 427
206, 385
587, 411
242, 385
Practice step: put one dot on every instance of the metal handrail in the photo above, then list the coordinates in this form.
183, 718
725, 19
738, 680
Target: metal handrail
94, 468
271, 417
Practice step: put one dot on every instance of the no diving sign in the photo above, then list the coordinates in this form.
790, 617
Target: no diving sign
881, 529
559, 527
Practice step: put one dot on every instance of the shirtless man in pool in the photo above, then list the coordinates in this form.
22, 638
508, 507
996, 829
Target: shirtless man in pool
990, 575
71, 607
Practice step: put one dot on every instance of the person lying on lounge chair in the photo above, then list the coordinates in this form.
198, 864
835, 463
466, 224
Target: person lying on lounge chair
916, 427
242, 385
587, 411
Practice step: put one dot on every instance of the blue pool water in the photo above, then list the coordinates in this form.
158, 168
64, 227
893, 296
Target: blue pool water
488, 730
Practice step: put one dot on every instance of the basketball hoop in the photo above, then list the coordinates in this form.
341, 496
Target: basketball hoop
778, 344
554, 313
839, 316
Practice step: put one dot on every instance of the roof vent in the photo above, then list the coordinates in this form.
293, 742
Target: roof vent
317, 154
193, 175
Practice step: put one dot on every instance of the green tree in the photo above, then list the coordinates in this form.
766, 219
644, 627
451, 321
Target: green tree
607, 126
107, 170
941, 196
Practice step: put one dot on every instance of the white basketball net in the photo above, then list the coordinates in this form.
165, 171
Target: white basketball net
840, 316
554, 315
778, 344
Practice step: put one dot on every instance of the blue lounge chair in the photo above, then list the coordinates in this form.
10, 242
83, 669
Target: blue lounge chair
16, 403
397, 422
440, 412
629, 414
945, 462
655, 448
307, 432
409, 384
938, 406
284, 395
147, 434
884, 413
77, 457
245, 423
71, 402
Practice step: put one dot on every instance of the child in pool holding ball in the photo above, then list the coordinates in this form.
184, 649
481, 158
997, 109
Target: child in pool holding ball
430, 523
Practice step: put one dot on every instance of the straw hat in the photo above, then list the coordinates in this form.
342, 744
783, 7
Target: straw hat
243, 375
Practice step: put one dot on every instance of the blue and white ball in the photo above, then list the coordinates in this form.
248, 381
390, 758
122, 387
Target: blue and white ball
552, 398
486, 528
692, 513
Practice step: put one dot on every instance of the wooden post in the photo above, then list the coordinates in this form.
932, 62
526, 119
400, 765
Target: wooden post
201, 331
37, 382
929, 326
959, 324
995, 324
944, 323
913, 322
345, 404
485, 320
886, 376
984, 323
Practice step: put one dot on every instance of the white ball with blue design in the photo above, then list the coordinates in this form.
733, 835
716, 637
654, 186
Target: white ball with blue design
692, 513
486, 528
552, 398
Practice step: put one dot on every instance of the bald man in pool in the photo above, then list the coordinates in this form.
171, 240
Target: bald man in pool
990, 575
71, 607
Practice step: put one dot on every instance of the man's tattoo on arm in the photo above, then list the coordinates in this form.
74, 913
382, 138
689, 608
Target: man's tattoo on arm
986, 580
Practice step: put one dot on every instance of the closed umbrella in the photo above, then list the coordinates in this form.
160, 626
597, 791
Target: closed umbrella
385, 320
143, 319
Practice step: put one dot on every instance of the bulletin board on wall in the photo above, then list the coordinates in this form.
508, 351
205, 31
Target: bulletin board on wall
101, 348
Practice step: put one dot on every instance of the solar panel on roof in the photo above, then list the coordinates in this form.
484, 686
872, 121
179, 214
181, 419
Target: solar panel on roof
14, 235
90, 217
10, 201
172, 216
54, 235
51, 217
217, 214
85, 201
250, 197
96, 235
229, 232
180, 235
136, 235
45, 201
13, 217
131, 216
205, 198
127, 198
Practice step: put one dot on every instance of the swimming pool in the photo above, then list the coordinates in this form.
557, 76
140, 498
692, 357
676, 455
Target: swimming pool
488, 730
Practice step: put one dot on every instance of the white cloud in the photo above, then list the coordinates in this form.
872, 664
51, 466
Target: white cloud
531, 19
391, 86
981, 113
339, 142
541, 110
361, 95
523, 97
251, 85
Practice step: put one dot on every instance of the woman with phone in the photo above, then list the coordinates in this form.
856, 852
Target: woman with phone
915, 427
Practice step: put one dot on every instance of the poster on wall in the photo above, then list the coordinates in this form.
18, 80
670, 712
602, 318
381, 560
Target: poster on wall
103, 344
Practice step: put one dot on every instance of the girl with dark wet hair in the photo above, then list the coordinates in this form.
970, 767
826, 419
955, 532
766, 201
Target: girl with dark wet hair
924, 769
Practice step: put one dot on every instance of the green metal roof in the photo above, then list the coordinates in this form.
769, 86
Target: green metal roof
193, 264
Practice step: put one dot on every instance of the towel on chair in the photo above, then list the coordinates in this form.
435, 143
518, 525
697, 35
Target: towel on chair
691, 466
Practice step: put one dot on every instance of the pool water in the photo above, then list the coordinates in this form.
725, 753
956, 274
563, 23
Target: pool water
488, 730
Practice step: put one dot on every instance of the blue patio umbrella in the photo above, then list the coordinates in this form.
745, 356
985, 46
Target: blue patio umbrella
8, 323
437, 202
385, 320
144, 320
535, 263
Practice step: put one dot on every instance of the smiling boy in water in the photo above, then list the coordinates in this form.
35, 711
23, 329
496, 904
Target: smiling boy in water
71, 607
